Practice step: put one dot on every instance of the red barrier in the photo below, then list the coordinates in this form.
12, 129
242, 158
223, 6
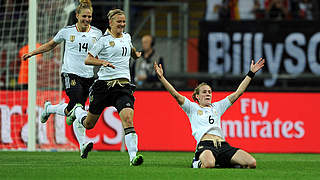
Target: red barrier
257, 122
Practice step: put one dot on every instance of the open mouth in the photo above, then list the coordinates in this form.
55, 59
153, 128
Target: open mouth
86, 23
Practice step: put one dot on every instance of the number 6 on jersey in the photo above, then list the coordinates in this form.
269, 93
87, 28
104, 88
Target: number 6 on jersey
211, 120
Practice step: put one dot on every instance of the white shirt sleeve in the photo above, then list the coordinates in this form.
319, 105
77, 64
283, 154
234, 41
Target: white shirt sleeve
129, 39
187, 105
97, 47
99, 35
223, 105
60, 36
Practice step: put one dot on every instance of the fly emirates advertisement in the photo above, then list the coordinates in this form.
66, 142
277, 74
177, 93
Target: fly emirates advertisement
256, 122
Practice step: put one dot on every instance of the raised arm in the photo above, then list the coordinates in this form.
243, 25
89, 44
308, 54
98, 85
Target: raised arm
245, 83
43, 48
179, 98
90, 60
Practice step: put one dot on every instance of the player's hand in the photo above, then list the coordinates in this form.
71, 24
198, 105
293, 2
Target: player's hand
107, 64
138, 54
257, 66
158, 70
26, 56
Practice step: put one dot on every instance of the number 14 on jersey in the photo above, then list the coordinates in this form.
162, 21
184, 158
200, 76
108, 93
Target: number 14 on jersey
83, 46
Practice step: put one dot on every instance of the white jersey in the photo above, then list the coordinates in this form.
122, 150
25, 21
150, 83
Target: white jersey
205, 119
77, 45
117, 51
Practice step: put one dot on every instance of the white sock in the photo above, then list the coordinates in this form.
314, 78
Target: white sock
196, 164
80, 113
80, 133
57, 109
131, 141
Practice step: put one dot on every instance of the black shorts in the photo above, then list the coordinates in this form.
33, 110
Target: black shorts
77, 88
222, 154
102, 96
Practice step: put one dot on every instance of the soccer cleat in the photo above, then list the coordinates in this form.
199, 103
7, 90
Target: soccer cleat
195, 163
193, 160
136, 161
85, 149
45, 115
72, 115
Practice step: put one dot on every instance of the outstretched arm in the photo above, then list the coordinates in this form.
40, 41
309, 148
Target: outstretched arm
245, 83
179, 98
43, 48
90, 60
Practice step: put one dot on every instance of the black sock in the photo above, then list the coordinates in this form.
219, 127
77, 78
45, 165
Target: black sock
129, 130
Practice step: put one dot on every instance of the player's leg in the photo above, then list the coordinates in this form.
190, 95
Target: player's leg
89, 121
75, 97
45, 113
83, 93
78, 129
80, 95
56, 109
205, 155
244, 159
98, 101
85, 121
131, 137
124, 103
81, 121
61, 108
207, 159
80, 133
76, 93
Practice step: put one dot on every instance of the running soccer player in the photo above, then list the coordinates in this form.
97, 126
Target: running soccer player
113, 87
205, 119
76, 76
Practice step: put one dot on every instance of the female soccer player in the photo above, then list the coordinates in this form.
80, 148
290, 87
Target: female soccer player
113, 87
76, 76
212, 149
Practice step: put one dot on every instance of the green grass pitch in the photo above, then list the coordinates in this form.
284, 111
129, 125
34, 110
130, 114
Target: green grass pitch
157, 165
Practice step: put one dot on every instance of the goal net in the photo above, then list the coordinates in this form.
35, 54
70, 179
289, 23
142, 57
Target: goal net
52, 15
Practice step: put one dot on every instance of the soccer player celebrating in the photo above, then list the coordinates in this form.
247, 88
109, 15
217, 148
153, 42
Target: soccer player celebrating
205, 119
76, 76
113, 87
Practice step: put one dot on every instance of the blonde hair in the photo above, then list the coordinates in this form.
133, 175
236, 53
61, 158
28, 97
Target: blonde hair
113, 12
197, 91
84, 4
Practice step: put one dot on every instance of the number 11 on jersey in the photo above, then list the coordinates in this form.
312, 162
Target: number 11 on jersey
124, 51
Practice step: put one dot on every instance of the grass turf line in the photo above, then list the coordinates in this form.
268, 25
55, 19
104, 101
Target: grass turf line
157, 165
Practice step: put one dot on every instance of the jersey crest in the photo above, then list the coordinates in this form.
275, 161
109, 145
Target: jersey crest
200, 112
73, 82
72, 38
94, 39
111, 43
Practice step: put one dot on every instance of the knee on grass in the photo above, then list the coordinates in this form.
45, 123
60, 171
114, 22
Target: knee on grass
252, 164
